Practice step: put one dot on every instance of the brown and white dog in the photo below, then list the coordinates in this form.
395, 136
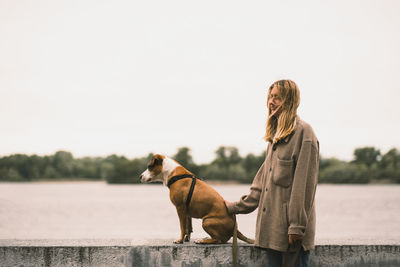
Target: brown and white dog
205, 203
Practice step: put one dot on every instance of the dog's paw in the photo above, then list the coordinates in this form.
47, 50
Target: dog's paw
187, 238
178, 241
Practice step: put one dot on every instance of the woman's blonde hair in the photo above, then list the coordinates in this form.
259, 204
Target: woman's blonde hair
278, 129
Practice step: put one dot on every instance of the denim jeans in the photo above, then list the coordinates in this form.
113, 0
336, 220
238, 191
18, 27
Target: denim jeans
275, 258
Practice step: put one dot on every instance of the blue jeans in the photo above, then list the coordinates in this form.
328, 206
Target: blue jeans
275, 258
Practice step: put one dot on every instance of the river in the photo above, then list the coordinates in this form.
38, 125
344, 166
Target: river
346, 214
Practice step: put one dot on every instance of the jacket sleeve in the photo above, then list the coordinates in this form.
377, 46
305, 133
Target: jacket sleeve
303, 188
249, 203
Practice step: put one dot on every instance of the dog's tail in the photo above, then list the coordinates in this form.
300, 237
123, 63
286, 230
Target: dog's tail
244, 238
238, 234
235, 245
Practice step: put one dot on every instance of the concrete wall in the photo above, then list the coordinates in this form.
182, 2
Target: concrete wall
163, 253
63, 256
220, 255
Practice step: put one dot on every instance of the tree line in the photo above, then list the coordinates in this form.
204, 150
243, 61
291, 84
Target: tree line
369, 165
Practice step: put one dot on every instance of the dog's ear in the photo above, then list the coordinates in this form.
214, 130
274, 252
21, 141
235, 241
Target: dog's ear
156, 160
151, 164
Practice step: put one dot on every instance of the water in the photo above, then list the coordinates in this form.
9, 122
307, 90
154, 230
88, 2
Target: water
346, 214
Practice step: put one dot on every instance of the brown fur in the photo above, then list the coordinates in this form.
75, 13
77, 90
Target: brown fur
206, 204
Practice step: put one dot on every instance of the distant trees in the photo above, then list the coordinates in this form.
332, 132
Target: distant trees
228, 165
367, 156
337, 171
123, 170
20, 167
183, 157
390, 165
368, 165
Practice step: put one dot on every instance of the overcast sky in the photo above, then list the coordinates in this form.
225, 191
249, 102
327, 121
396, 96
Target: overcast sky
133, 77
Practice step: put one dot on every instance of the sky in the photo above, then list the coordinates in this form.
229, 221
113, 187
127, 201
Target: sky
98, 77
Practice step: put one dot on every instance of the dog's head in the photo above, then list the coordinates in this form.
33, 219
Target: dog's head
154, 170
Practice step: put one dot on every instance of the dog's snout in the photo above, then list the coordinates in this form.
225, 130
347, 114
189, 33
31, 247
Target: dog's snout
141, 178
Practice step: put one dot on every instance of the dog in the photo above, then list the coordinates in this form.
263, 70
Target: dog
193, 198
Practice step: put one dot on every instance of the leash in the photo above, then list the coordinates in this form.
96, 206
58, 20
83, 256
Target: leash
235, 246
183, 176
291, 261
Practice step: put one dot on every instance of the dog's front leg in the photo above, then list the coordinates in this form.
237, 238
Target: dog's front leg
183, 223
188, 229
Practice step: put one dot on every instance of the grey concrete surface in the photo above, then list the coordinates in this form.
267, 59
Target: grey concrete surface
138, 253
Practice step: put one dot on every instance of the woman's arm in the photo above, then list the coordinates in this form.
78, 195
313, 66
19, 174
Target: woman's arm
248, 203
303, 188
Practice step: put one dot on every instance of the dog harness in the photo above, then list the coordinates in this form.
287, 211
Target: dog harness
183, 176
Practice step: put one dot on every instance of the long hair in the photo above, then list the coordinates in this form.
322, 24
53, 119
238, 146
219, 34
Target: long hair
278, 129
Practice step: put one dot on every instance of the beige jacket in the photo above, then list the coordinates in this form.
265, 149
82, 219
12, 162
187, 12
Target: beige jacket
283, 190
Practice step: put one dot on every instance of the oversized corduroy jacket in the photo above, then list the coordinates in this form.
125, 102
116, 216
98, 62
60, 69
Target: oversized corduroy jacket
284, 190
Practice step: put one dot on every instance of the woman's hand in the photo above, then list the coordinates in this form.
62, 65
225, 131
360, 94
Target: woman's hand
294, 238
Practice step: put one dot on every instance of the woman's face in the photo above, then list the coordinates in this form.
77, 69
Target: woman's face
274, 102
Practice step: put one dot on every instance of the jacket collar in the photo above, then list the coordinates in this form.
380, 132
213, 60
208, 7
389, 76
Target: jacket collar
287, 138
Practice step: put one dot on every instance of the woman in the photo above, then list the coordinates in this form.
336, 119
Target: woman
284, 186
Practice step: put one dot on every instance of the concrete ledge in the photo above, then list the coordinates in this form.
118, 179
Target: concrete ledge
164, 253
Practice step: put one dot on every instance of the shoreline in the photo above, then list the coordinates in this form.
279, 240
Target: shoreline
210, 182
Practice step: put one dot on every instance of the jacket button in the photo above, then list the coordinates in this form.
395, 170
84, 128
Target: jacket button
266, 189
270, 169
264, 209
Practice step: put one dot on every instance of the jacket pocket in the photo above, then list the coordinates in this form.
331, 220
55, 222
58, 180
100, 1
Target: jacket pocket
283, 173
